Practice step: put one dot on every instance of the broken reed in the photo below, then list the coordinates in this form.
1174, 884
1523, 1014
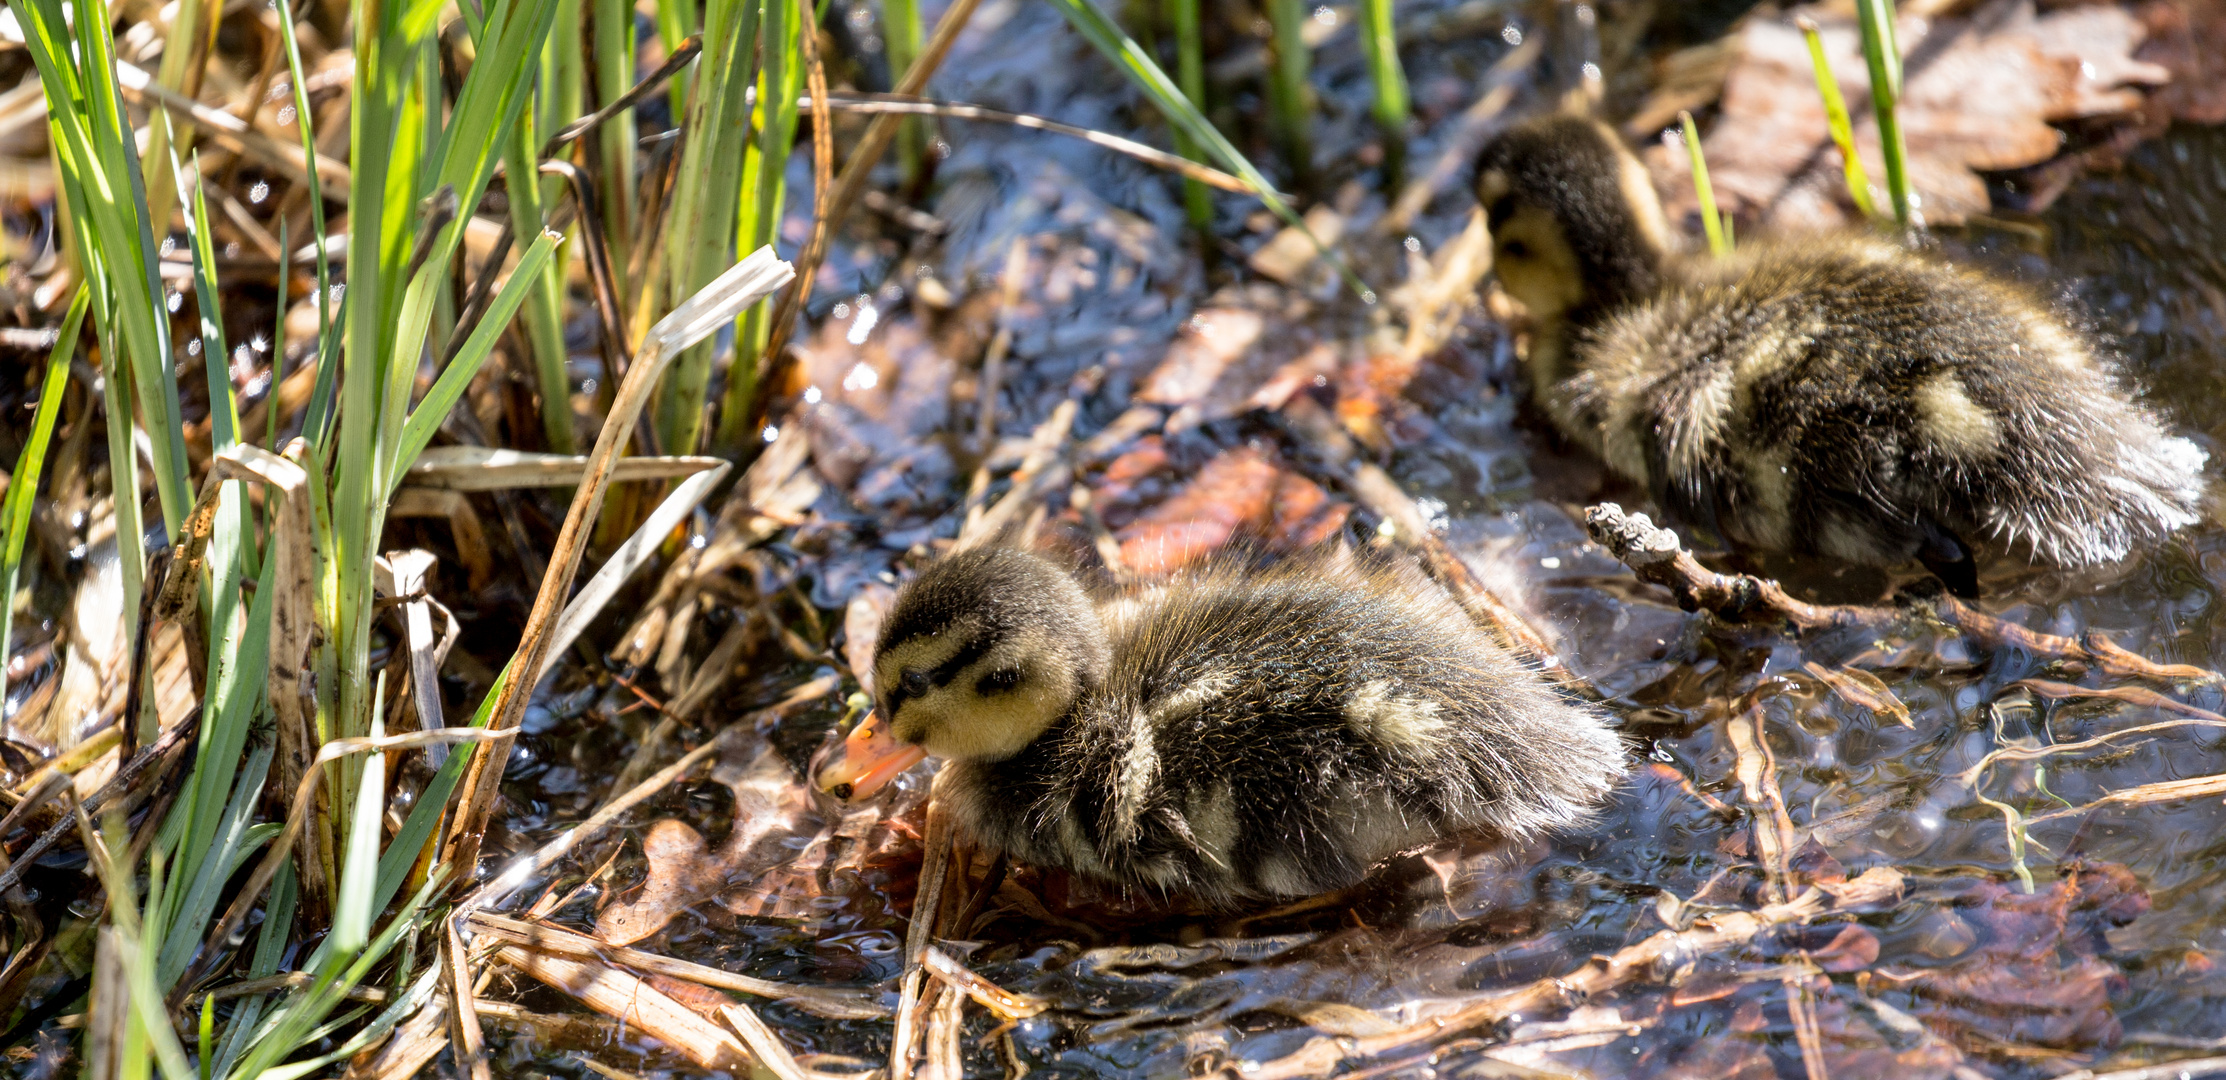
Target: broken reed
1712, 222
1883, 55
1836, 118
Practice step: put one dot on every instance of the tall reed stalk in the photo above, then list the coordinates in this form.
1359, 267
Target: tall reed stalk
900, 29
1883, 55
706, 202
1290, 104
764, 195
1379, 42
1837, 120
1190, 76
1711, 220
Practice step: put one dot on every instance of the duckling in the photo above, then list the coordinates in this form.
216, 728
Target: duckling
1230, 736
1837, 396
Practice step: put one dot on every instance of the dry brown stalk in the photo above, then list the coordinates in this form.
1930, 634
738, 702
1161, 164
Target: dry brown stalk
2184, 1069
763, 1044
1003, 1003
630, 999
818, 1000
2195, 787
993, 359
727, 295
1040, 472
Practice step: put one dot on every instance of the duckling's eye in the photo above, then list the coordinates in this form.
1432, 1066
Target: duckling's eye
1514, 249
997, 682
915, 683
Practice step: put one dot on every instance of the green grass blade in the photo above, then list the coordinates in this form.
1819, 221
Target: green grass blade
211, 869
1134, 62
1290, 105
900, 27
545, 301
764, 192
1835, 115
1711, 221
703, 195
614, 48
1883, 55
23, 484
351, 916
224, 409
1190, 72
1379, 42
417, 432
327, 359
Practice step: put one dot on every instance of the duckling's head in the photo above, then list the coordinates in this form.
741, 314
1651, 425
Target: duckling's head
1576, 226
980, 654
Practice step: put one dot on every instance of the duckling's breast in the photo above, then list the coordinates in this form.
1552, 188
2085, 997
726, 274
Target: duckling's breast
1280, 738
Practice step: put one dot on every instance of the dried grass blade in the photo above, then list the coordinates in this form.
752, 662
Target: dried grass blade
628, 997
480, 468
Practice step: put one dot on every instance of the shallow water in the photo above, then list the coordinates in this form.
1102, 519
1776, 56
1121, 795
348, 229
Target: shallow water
1967, 973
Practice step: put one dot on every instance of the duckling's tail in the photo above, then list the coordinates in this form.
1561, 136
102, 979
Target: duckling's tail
2096, 499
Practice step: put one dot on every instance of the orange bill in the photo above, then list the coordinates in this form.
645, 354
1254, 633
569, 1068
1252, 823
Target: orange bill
868, 760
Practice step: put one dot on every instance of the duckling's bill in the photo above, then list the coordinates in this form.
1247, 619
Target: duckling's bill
868, 760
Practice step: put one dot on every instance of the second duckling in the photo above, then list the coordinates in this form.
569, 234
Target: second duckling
1230, 736
1839, 396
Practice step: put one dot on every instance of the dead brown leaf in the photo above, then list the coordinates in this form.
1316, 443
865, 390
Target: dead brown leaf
1980, 93
2036, 976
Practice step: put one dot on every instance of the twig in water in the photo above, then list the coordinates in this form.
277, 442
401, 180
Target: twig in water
1005, 1004
1656, 556
1637, 963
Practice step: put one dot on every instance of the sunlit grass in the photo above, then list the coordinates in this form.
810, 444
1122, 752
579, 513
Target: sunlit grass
1883, 55
1835, 116
1711, 220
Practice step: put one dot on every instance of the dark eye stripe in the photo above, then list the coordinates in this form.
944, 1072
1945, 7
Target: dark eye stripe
961, 660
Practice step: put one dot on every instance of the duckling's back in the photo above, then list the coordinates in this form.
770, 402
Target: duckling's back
1277, 735
1849, 399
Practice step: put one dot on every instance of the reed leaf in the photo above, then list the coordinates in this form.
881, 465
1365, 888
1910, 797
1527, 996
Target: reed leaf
1711, 220
1142, 71
23, 483
1836, 118
1883, 55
